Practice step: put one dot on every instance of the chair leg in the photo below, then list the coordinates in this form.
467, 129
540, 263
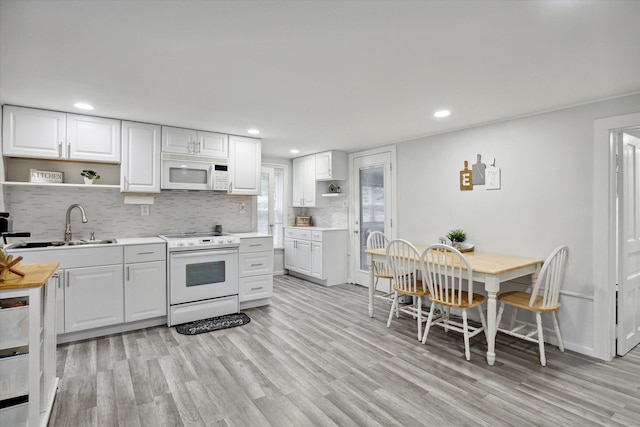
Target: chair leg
465, 328
393, 307
483, 322
499, 317
557, 327
446, 318
419, 318
428, 325
543, 361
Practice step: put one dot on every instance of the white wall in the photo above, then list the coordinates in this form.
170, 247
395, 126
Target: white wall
546, 198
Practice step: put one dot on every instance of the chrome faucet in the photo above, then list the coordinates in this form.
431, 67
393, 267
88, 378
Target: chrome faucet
67, 230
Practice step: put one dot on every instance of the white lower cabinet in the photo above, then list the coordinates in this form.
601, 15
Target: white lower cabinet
145, 282
256, 271
318, 254
93, 297
105, 289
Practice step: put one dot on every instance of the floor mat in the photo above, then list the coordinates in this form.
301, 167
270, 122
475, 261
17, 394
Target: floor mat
213, 324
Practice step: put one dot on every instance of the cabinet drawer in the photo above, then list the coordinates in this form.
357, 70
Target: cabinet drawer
298, 233
14, 376
143, 253
258, 287
256, 263
316, 236
14, 331
17, 415
257, 244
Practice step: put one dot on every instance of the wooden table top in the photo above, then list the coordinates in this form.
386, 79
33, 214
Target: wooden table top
483, 262
35, 275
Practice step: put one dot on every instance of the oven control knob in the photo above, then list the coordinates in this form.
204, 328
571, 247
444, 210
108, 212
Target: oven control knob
229, 240
180, 243
190, 243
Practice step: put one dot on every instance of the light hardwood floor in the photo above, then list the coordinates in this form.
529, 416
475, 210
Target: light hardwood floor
315, 358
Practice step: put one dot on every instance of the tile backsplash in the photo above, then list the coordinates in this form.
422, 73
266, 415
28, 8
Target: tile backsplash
334, 217
42, 211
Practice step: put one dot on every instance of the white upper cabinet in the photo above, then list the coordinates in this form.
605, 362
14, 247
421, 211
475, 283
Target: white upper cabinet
140, 169
245, 160
189, 141
33, 133
93, 138
44, 134
331, 165
304, 181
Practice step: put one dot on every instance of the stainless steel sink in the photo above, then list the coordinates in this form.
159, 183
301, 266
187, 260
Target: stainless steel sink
27, 245
91, 242
59, 243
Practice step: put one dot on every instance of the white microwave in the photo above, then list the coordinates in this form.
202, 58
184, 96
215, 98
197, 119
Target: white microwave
182, 172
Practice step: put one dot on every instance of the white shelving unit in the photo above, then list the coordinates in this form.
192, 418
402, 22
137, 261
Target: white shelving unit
28, 350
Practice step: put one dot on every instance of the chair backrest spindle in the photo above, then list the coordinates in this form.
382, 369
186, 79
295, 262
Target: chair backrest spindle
551, 277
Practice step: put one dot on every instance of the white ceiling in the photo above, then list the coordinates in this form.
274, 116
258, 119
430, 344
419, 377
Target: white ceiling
318, 75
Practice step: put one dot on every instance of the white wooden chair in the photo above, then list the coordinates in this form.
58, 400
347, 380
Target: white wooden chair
378, 240
404, 262
447, 273
543, 299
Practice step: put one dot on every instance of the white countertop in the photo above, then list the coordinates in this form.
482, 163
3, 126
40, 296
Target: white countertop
249, 235
138, 240
316, 228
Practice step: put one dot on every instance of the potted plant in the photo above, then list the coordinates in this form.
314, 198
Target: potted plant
89, 176
457, 236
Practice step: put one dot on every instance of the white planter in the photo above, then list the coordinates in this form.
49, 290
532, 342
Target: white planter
87, 180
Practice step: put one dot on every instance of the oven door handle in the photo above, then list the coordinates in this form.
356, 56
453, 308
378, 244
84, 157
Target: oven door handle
188, 254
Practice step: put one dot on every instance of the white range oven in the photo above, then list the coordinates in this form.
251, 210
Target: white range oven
202, 276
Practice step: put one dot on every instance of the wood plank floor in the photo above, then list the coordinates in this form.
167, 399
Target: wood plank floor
315, 358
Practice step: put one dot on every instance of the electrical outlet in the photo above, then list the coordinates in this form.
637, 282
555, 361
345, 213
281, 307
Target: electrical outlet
345, 203
144, 210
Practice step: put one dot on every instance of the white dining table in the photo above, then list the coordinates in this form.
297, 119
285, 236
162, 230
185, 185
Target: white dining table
488, 268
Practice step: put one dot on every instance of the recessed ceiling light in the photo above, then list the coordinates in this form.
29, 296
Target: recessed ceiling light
442, 113
83, 106
254, 131
294, 151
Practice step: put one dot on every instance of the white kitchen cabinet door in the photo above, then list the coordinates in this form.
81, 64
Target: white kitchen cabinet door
331, 165
59, 283
316, 260
304, 181
93, 297
94, 139
178, 140
213, 144
297, 256
140, 168
28, 132
290, 254
245, 160
145, 295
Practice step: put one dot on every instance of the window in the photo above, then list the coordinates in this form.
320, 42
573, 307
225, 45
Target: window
270, 204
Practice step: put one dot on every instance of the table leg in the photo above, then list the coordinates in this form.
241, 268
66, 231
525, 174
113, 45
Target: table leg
372, 289
491, 285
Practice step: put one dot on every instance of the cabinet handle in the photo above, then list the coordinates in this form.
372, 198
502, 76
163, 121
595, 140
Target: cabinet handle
200, 144
127, 273
230, 186
257, 289
68, 150
145, 253
60, 149
255, 244
256, 265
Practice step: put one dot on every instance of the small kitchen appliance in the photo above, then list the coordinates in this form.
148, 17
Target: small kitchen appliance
202, 276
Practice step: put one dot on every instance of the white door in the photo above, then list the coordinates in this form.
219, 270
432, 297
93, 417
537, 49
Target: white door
93, 138
213, 144
93, 297
178, 140
628, 334
372, 207
140, 168
245, 160
145, 289
28, 132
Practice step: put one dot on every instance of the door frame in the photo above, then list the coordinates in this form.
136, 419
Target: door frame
353, 199
604, 231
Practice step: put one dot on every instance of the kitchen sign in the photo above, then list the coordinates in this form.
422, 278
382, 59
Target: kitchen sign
46, 176
466, 180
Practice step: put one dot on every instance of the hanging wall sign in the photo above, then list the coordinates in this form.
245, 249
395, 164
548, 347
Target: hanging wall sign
478, 169
492, 177
466, 181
